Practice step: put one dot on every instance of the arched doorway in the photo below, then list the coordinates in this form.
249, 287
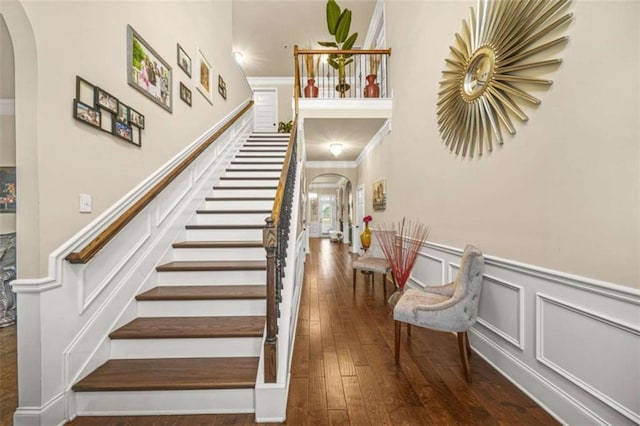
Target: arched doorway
329, 208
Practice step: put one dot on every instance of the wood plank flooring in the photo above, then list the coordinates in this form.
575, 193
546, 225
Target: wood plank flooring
343, 370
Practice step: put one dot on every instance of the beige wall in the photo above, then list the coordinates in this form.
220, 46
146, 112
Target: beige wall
564, 192
89, 39
6, 62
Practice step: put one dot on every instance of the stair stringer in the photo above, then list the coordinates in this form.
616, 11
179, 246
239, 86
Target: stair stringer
271, 398
72, 311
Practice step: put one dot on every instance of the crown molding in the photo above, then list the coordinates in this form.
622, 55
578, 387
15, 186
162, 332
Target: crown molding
384, 130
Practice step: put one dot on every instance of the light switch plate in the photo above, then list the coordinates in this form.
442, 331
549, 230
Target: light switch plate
85, 203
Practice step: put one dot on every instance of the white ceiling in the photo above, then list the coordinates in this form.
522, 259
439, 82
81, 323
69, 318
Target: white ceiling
265, 31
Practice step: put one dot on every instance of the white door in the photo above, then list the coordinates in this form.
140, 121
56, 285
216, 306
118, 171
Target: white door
357, 221
265, 117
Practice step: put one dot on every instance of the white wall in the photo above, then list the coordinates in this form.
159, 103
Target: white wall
564, 192
89, 39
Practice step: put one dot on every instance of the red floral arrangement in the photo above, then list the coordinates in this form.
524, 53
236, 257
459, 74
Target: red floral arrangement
367, 219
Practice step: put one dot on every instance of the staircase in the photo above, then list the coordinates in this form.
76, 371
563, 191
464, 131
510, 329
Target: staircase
195, 344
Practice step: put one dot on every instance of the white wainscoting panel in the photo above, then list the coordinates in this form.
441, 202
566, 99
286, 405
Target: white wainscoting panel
604, 361
571, 343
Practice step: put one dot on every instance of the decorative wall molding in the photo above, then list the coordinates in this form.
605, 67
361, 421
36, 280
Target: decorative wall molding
339, 108
437, 260
384, 130
541, 356
511, 334
7, 107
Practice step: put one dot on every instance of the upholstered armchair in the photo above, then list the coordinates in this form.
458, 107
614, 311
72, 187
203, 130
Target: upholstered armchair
452, 307
374, 261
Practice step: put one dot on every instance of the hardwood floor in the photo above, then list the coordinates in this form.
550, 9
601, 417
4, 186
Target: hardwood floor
343, 370
8, 375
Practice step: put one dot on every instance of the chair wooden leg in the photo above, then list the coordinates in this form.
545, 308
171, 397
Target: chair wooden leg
384, 285
408, 329
355, 274
462, 345
466, 337
398, 326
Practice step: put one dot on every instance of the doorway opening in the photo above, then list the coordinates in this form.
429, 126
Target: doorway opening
330, 209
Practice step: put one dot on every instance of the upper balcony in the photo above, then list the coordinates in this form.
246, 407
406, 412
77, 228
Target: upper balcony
333, 83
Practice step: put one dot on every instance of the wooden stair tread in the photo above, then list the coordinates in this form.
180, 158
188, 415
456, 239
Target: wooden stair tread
233, 211
258, 156
250, 178
245, 187
218, 244
171, 374
225, 226
213, 265
265, 145
258, 162
253, 170
205, 292
262, 150
239, 198
190, 327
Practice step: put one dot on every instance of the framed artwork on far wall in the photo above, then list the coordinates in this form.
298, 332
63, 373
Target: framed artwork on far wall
147, 72
222, 87
205, 79
184, 61
380, 194
7, 189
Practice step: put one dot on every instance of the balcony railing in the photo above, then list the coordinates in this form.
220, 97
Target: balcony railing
365, 73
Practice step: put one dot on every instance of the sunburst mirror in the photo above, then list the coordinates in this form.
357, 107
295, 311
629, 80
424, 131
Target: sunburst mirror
490, 66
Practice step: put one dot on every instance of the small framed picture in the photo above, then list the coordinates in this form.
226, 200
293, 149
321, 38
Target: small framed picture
184, 61
222, 87
85, 91
123, 113
123, 131
205, 82
106, 101
136, 119
185, 94
85, 113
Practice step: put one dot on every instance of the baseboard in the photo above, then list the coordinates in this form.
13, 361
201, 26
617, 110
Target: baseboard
50, 413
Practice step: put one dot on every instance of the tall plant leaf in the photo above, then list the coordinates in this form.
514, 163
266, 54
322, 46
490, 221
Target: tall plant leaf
348, 44
333, 13
333, 63
344, 25
328, 43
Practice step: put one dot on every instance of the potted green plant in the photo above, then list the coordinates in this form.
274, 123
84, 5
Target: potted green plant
339, 25
285, 127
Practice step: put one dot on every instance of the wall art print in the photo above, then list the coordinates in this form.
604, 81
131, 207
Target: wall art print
7, 189
205, 80
147, 72
380, 194
184, 61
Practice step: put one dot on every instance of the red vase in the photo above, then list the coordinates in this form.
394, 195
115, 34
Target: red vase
372, 89
310, 90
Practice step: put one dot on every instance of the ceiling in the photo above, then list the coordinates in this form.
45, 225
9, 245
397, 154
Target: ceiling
265, 31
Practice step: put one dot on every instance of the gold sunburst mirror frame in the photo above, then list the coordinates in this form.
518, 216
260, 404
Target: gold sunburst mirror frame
479, 92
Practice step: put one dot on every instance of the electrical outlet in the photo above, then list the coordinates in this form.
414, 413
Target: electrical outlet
85, 203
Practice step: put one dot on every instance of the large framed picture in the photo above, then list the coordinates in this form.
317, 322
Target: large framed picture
184, 61
7, 189
205, 81
380, 194
147, 71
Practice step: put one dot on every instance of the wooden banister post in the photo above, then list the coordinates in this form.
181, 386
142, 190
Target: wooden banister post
269, 239
297, 93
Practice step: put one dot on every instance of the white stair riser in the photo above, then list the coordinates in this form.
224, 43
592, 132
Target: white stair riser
224, 234
260, 148
244, 193
185, 348
201, 308
231, 218
270, 165
205, 254
249, 174
212, 277
239, 205
257, 182
208, 401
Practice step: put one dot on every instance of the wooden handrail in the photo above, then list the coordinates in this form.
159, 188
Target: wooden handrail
345, 52
277, 202
91, 249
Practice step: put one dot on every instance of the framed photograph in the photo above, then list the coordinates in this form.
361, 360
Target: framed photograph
205, 81
86, 114
123, 131
85, 91
184, 61
185, 94
147, 71
380, 194
106, 101
123, 113
222, 87
136, 119
7, 189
